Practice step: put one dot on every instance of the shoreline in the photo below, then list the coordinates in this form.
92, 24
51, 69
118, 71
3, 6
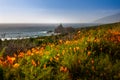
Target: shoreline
28, 37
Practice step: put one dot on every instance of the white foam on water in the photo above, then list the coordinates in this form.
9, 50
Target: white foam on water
3, 39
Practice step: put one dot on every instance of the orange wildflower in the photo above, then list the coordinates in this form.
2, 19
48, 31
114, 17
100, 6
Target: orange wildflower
33, 49
37, 52
38, 62
44, 66
92, 61
15, 55
60, 41
28, 52
10, 59
56, 58
63, 69
33, 63
89, 53
21, 55
4, 63
67, 42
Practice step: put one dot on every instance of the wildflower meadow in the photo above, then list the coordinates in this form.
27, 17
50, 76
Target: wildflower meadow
92, 54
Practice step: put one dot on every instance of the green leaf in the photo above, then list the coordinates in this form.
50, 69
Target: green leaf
2, 52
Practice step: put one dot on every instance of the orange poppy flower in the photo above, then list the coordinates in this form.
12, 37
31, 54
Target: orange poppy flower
28, 52
33, 63
63, 69
44, 66
10, 59
21, 55
92, 61
89, 53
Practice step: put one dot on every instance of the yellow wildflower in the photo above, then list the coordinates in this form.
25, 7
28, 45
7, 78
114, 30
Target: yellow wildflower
58, 55
63, 52
51, 59
16, 65
67, 42
60, 41
77, 48
78, 32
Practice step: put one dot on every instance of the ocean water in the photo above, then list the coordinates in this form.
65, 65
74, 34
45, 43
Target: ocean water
25, 32
20, 31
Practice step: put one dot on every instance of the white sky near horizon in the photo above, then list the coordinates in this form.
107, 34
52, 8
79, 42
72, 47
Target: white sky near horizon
12, 11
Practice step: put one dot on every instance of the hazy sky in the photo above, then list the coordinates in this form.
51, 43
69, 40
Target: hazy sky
56, 11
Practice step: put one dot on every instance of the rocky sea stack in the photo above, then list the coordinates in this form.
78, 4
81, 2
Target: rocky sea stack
61, 29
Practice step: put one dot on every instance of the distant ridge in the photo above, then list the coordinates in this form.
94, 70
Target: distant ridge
109, 19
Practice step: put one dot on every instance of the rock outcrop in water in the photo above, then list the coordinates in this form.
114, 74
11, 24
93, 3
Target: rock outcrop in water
61, 29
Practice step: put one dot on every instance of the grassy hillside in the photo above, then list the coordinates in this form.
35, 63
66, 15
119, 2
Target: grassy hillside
91, 53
